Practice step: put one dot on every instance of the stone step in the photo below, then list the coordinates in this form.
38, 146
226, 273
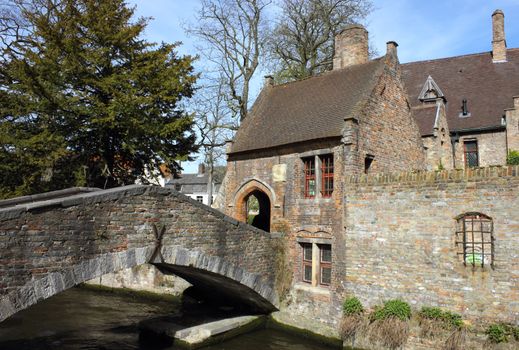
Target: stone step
207, 333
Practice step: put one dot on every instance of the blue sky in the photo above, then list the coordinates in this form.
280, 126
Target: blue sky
423, 29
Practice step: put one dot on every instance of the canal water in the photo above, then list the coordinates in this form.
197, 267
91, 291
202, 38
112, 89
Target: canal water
85, 319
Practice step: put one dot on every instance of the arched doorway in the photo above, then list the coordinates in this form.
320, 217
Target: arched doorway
257, 210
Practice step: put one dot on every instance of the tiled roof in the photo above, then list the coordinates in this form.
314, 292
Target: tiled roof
306, 110
488, 87
425, 118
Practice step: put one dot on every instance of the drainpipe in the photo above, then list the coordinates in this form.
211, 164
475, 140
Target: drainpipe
454, 138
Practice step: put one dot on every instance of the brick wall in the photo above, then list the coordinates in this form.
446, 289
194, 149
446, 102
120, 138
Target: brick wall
400, 241
293, 214
386, 128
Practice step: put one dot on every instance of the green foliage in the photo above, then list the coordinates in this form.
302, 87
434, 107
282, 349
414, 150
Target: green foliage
352, 306
84, 100
392, 309
250, 218
501, 332
450, 319
512, 158
497, 333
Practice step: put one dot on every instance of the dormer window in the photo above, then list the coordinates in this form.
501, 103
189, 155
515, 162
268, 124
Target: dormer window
431, 92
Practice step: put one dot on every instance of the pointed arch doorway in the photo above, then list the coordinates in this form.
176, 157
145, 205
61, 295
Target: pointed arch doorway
253, 205
257, 206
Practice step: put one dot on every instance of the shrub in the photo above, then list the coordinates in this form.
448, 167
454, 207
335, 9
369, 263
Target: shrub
500, 332
393, 309
512, 158
515, 332
352, 310
352, 306
447, 318
390, 332
497, 333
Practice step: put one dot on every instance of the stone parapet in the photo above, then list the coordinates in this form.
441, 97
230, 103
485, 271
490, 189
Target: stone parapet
469, 174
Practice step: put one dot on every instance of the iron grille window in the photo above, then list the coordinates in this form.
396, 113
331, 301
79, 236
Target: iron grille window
475, 239
309, 177
307, 262
471, 153
327, 175
200, 199
325, 262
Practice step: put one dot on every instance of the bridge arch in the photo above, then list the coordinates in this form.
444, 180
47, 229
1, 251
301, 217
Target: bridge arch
106, 231
265, 197
194, 266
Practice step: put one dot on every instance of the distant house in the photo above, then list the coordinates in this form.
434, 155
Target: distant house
196, 185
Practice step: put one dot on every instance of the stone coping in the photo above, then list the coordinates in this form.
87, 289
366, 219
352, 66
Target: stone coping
46, 196
97, 196
454, 175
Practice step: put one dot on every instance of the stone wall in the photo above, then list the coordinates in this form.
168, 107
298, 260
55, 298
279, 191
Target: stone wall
53, 245
491, 148
400, 241
438, 146
512, 126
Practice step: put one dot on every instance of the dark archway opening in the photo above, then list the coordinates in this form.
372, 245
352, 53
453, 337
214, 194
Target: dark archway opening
258, 210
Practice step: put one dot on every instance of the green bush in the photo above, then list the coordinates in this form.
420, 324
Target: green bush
512, 158
515, 332
497, 333
393, 309
448, 318
352, 306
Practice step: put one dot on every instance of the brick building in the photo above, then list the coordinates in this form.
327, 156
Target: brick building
305, 143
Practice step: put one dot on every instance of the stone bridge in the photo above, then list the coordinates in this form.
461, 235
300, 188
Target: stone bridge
50, 245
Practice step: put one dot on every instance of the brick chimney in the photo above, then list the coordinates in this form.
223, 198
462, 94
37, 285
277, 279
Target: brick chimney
268, 80
498, 37
201, 169
351, 47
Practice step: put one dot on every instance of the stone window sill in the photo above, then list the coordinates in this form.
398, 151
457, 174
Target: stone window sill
306, 287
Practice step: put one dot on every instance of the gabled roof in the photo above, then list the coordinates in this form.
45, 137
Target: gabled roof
306, 110
430, 86
487, 86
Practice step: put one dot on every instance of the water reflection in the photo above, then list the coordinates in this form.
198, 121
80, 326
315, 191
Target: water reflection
84, 319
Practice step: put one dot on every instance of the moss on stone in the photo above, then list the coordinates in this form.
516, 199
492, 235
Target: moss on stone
274, 324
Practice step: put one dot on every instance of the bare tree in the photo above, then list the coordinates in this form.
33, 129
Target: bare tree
302, 41
215, 125
232, 35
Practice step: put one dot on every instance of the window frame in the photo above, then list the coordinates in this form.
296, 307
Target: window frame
466, 235
306, 262
200, 199
310, 174
465, 152
327, 172
324, 264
